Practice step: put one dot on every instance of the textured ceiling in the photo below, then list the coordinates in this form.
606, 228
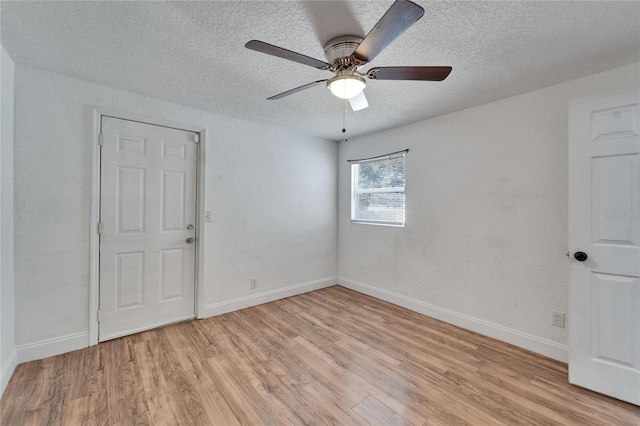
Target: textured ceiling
192, 53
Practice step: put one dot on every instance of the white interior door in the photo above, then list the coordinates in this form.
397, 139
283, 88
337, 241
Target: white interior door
147, 227
604, 223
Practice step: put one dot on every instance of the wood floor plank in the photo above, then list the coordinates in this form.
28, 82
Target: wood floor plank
125, 397
376, 413
211, 401
392, 389
233, 389
331, 356
511, 405
333, 410
397, 399
274, 343
330, 374
286, 390
86, 402
154, 384
398, 346
249, 390
451, 397
590, 403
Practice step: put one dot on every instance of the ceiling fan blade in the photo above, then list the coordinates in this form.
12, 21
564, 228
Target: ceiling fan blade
409, 73
296, 90
270, 49
400, 16
358, 102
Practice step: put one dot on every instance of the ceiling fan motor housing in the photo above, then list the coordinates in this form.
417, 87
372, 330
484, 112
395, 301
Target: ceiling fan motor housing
341, 47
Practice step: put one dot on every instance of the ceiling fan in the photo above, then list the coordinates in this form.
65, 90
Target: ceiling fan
347, 54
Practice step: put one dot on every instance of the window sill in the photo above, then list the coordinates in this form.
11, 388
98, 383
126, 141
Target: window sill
365, 222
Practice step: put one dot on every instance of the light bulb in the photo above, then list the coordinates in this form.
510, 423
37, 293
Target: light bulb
346, 87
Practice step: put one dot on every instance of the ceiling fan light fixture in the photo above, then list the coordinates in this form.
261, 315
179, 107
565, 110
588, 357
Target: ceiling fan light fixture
346, 86
347, 54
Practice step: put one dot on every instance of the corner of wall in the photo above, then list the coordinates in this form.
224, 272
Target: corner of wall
226, 306
8, 367
523, 340
8, 353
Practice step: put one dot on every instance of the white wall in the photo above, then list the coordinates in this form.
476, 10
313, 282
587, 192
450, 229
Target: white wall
272, 194
486, 207
486, 211
8, 357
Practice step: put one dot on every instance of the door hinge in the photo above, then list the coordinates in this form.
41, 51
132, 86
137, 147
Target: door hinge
98, 315
196, 137
100, 228
100, 139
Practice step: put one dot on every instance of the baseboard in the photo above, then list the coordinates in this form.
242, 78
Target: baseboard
72, 342
530, 342
226, 306
51, 347
8, 367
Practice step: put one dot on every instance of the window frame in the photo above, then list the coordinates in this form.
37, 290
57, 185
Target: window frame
355, 192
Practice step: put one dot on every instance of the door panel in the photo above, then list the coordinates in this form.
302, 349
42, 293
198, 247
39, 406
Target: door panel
130, 201
173, 193
130, 279
616, 224
148, 201
604, 222
171, 273
615, 300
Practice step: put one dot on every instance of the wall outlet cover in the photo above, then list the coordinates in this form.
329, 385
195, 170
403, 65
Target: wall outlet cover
557, 319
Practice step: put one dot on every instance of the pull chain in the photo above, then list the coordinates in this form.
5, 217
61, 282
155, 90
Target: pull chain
344, 119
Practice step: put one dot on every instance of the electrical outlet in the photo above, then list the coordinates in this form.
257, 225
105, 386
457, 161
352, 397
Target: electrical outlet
254, 283
557, 319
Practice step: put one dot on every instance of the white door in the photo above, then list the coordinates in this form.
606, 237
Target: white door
147, 230
604, 224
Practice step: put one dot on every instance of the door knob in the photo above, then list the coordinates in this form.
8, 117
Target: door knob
189, 240
189, 227
581, 256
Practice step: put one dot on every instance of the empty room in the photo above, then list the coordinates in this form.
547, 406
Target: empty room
320, 212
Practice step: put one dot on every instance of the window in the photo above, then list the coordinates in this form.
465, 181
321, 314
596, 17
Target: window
377, 190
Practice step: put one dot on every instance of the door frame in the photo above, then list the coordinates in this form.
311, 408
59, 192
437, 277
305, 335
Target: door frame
94, 249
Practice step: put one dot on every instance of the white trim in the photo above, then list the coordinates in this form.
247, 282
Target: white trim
94, 240
94, 244
8, 367
51, 347
530, 342
389, 224
223, 307
156, 121
201, 192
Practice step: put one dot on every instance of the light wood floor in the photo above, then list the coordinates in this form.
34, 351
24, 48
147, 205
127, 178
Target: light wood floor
332, 356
